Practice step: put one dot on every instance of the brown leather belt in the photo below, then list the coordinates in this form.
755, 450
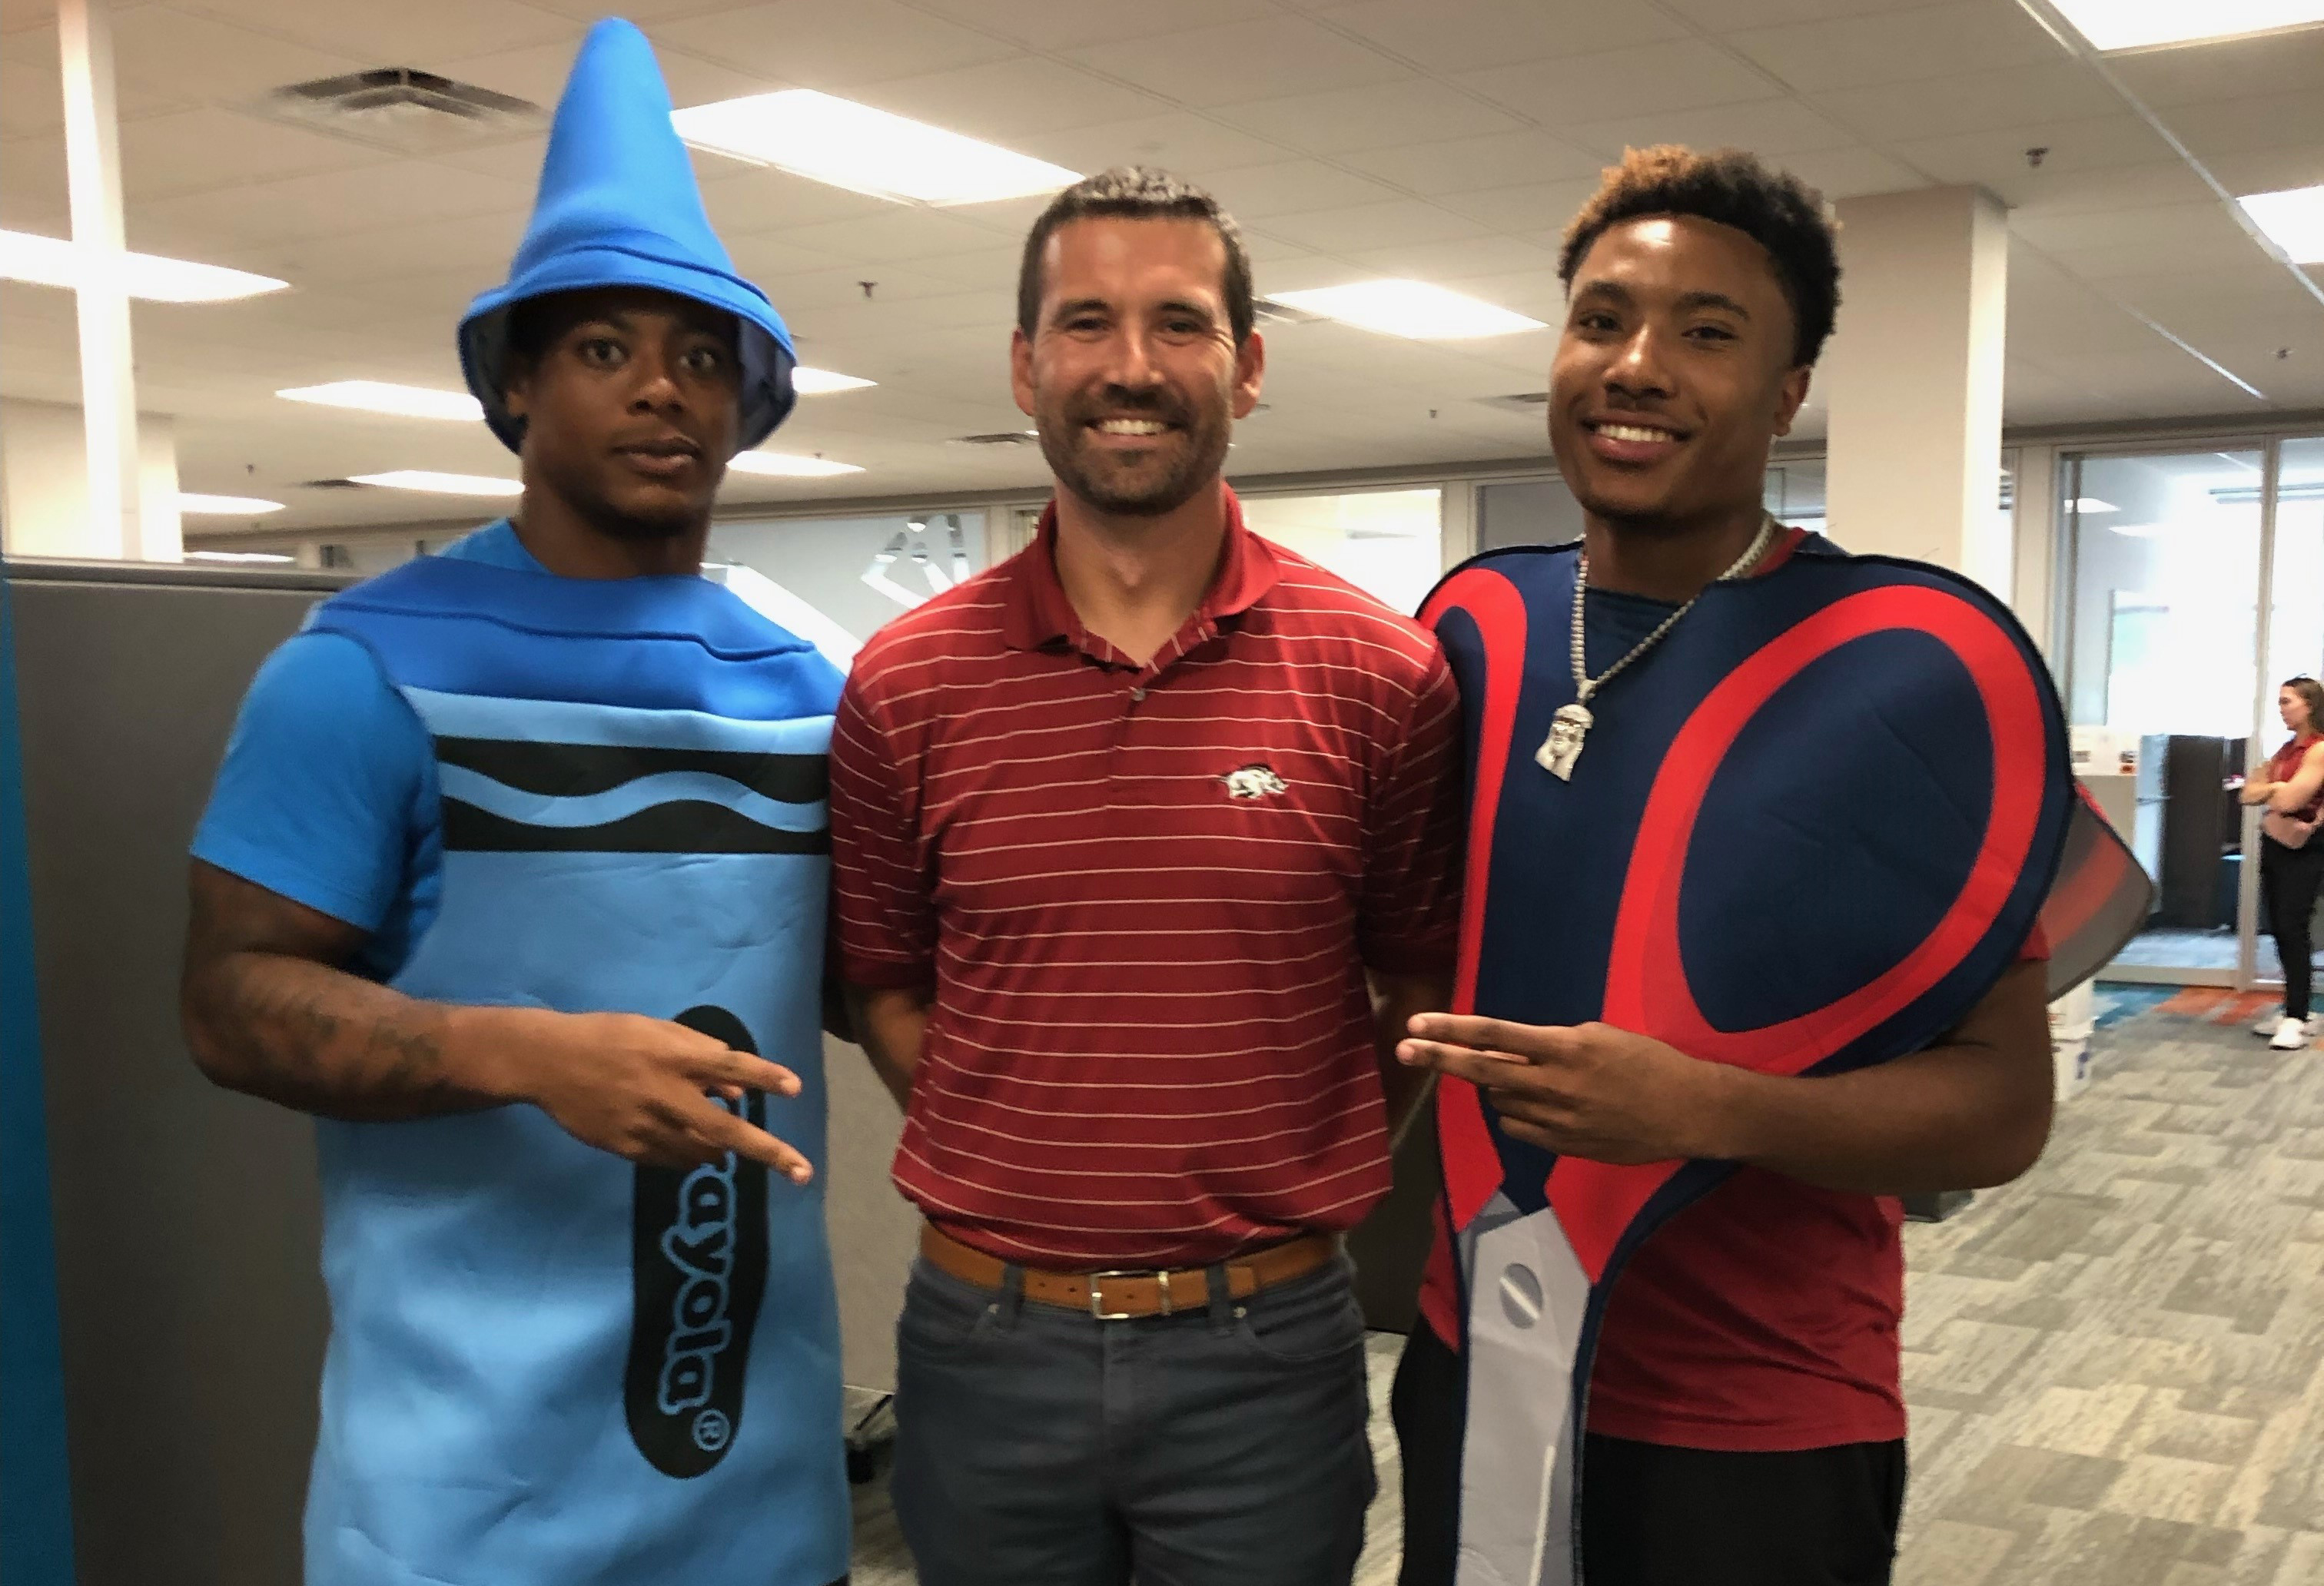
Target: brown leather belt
1122, 1296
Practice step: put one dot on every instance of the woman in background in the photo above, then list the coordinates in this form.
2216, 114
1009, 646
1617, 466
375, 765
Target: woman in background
2290, 790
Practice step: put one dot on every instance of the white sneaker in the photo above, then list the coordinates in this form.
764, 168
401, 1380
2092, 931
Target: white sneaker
2264, 1026
2290, 1036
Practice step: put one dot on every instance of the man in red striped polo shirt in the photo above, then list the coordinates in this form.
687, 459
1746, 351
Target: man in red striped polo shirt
1145, 854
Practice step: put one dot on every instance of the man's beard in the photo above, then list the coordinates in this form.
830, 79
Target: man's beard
1139, 490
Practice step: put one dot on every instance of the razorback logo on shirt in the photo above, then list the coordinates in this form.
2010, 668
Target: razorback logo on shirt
1254, 781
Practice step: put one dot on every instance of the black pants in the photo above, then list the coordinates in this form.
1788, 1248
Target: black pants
1661, 1517
2288, 881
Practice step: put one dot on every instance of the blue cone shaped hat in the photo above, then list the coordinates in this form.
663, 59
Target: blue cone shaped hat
618, 206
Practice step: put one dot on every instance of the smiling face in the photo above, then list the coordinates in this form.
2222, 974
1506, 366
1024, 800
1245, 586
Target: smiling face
1673, 375
1132, 373
631, 400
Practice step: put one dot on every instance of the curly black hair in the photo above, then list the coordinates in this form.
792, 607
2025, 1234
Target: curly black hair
1775, 209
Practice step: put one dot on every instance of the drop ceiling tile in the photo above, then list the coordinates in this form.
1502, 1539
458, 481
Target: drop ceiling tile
1291, 187
408, 32
1732, 16
1996, 158
1068, 24
32, 93
742, 197
1968, 103
325, 204
1002, 100
1929, 40
1458, 263
538, 73
1483, 33
481, 245
2268, 171
770, 256
2050, 190
1367, 226
1687, 75
1528, 208
902, 232
32, 194
1466, 165
1179, 141
165, 49
1771, 128
1383, 115
2224, 70
196, 150
1244, 61
2264, 121
1851, 173
2128, 229
832, 44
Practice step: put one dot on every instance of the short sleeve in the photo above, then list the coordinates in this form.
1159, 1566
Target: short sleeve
315, 799
1410, 917
883, 906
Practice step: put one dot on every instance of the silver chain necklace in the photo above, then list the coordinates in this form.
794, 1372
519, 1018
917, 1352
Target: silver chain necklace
1570, 725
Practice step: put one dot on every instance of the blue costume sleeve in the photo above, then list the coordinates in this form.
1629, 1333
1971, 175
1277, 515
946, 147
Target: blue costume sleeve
315, 801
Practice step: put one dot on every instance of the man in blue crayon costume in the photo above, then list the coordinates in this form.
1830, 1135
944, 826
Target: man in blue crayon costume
1763, 839
514, 876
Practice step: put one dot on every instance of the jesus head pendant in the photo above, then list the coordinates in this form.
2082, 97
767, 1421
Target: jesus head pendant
1562, 747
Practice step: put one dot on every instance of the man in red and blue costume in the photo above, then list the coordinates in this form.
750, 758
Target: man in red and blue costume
1774, 862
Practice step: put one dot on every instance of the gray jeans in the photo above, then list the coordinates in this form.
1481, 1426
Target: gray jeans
1227, 1446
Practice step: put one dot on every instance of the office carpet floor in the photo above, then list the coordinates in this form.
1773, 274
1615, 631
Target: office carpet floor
2116, 1365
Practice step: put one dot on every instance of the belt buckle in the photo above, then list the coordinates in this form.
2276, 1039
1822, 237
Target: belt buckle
1096, 1295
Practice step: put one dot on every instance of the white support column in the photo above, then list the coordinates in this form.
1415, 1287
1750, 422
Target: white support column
1913, 377
108, 382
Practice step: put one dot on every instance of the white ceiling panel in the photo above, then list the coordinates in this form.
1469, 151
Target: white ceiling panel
1067, 24
759, 199
1459, 264
1770, 127
2265, 121
1292, 187
1466, 165
902, 232
1179, 141
156, 48
1723, 15
538, 73
1383, 115
1997, 159
1836, 55
324, 205
2056, 190
832, 44
1002, 100
408, 33
2231, 69
2268, 171
1526, 209
1851, 173
1270, 57
1443, 38
1367, 226
195, 151
1687, 75
1969, 102
31, 95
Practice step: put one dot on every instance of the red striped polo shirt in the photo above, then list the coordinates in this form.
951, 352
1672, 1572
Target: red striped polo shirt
1146, 897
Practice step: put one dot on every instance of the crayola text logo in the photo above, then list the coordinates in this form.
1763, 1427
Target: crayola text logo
698, 1268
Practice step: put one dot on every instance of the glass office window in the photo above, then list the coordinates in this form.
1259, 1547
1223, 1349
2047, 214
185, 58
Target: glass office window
836, 581
2295, 624
1794, 492
1389, 543
2162, 630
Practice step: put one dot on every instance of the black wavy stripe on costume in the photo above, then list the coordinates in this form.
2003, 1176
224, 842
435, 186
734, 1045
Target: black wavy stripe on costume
573, 771
680, 826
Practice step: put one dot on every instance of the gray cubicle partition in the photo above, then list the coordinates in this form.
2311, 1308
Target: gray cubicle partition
186, 1221
191, 1312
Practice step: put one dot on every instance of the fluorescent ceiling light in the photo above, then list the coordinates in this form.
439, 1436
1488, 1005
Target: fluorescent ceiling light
866, 151
1413, 309
381, 396
784, 466
823, 381
2090, 503
2294, 220
52, 261
239, 556
2140, 24
224, 507
441, 484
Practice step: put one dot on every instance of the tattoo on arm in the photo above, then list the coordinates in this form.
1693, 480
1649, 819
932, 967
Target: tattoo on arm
270, 1008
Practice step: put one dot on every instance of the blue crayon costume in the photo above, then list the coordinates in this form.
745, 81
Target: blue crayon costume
1808, 833
550, 1366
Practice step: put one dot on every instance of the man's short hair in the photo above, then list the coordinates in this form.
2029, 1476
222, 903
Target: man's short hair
1775, 209
1135, 192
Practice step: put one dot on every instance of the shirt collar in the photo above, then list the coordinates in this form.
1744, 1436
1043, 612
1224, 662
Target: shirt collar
1035, 610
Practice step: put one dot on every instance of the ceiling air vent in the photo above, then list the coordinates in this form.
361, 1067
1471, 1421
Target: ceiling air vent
1523, 401
329, 485
1000, 438
401, 109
